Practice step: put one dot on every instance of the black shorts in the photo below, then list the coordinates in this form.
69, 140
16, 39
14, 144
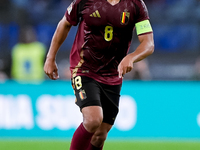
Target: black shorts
89, 92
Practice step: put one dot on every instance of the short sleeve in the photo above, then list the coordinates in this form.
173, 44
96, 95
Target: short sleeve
72, 13
142, 12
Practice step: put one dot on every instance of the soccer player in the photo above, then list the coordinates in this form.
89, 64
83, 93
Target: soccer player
99, 59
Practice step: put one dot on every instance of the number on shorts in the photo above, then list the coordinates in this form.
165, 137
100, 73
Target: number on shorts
78, 82
108, 33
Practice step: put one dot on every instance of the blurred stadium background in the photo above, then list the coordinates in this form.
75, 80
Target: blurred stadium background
160, 102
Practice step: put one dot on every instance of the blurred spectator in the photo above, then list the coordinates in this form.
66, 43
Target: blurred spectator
140, 71
5, 11
20, 11
3, 75
64, 70
196, 75
28, 57
38, 11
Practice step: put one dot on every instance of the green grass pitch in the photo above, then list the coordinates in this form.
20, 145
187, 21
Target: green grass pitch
109, 145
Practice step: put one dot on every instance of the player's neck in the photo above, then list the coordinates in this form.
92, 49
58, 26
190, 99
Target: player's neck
113, 2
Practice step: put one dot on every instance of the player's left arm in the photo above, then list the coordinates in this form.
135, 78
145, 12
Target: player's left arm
145, 49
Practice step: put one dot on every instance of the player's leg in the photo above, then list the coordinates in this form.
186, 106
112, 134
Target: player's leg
88, 99
109, 101
92, 119
99, 137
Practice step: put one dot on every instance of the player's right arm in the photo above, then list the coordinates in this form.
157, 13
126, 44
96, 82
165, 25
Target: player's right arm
50, 66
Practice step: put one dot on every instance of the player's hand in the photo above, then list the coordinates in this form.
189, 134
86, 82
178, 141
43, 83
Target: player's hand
51, 69
125, 66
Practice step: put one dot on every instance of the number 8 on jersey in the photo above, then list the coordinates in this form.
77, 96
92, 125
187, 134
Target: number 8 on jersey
108, 35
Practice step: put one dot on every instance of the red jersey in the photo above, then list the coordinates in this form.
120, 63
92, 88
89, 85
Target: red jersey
103, 37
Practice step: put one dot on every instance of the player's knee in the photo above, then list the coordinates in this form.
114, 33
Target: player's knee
92, 124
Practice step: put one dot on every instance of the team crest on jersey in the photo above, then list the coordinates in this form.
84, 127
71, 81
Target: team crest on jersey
125, 17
